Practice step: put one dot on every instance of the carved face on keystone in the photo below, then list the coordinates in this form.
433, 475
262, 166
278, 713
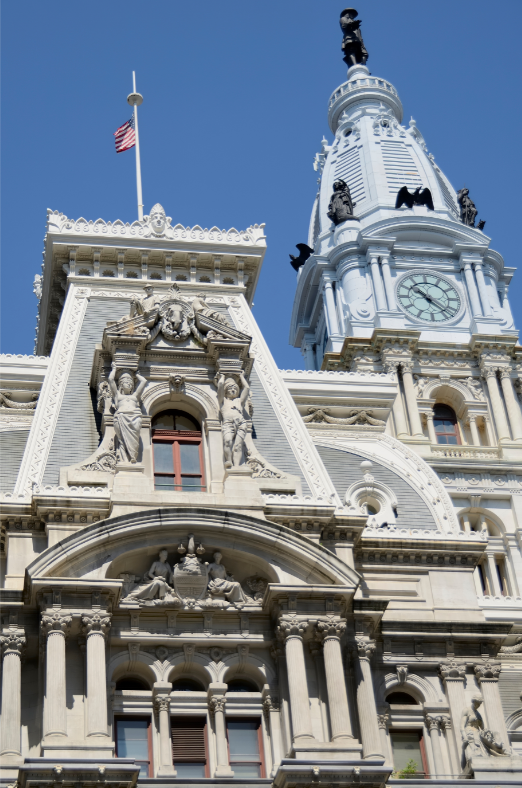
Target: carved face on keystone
158, 220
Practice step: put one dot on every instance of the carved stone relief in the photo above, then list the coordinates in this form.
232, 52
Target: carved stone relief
7, 402
192, 583
357, 416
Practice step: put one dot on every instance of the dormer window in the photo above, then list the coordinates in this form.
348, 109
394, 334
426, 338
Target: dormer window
445, 423
178, 452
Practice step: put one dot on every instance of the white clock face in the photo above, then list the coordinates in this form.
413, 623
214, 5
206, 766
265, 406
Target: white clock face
428, 297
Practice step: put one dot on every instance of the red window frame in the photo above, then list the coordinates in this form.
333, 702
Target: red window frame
178, 725
126, 718
422, 748
175, 438
262, 766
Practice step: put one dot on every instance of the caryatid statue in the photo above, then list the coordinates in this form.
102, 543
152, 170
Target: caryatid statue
234, 416
353, 44
341, 206
128, 416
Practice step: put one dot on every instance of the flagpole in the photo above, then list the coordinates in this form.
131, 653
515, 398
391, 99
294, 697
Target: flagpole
135, 99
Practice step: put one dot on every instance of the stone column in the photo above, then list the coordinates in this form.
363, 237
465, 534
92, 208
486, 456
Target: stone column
472, 290
55, 625
411, 399
433, 725
161, 692
383, 718
371, 740
453, 675
431, 427
95, 626
380, 298
494, 583
216, 705
388, 284
475, 439
391, 367
331, 312
483, 290
445, 722
513, 408
489, 431
278, 654
12, 642
490, 373
329, 632
291, 631
273, 723
317, 655
487, 677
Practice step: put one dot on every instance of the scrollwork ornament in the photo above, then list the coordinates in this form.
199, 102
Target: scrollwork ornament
56, 622
96, 622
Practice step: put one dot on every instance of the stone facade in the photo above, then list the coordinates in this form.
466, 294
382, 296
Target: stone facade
215, 569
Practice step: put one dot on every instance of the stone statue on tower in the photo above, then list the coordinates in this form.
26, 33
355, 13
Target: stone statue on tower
353, 44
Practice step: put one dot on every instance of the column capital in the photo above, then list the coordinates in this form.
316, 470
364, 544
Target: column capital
161, 702
291, 627
488, 372
216, 703
390, 365
331, 627
452, 670
96, 622
365, 648
505, 371
489, 671
12, 641
56, 621
445, 722
472, 417
407, 366
432, 722
383, 718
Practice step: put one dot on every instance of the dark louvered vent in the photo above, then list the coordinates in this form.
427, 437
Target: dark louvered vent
188, 740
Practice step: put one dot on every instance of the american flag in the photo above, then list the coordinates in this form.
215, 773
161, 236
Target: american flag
125, 136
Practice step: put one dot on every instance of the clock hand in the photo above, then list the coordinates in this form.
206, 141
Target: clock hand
430, 298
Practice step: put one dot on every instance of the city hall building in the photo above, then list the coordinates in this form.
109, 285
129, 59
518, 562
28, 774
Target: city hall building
217, 570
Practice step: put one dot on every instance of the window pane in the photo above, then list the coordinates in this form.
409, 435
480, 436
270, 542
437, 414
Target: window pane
186, 423
189, 455
163, 458
164, 483
133, 740
190, 769
406, 746
243, 740
246, 769
165, 421
191, 484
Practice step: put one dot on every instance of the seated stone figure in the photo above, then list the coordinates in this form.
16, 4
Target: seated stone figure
222, 583
157, 583
476, 739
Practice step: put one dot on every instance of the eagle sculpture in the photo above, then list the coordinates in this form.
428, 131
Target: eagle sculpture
304, 254
418, 197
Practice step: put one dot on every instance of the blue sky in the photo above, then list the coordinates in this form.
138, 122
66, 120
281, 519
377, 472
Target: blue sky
235, 108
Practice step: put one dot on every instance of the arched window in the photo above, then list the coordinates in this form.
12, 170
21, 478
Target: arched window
187, 685
401, 699
178, 452
242, 685
132, 683
445, 423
